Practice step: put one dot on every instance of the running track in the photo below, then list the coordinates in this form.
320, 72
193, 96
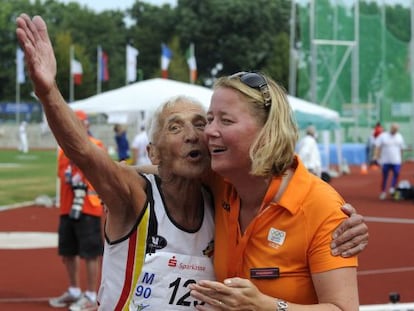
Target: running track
29, 277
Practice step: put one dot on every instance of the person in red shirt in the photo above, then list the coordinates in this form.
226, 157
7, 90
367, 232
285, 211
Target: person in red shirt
378, 129
371, 161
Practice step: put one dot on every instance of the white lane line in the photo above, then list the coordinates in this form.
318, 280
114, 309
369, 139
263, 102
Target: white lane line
40, 299
16, 205
9, 165
385, 271
389, 220
28, 240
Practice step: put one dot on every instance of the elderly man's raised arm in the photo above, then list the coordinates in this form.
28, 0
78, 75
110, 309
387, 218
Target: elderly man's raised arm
111, 180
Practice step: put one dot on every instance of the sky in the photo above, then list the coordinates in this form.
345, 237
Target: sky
100, 5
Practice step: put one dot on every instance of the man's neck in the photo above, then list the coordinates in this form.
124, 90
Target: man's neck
184, 202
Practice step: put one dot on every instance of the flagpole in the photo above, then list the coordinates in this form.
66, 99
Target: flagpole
190, 67
99, 70
17, 91
190, 54
292, 51
126, 64
71, 86
131, 55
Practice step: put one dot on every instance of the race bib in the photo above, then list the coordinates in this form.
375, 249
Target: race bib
164, 281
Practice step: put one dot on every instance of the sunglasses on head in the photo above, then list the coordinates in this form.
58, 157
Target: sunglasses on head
256, 81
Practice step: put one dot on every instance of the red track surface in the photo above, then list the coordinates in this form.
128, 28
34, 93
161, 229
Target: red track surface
29, 277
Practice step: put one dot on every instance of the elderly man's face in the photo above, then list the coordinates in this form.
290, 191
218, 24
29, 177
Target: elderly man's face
180, 147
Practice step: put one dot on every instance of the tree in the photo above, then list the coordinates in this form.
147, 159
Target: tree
8, 46
241, 35
238, 34
153, 26
278, 65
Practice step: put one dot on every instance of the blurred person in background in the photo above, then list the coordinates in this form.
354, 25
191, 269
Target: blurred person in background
309, 152
23, 141
80, 232
376, 131
389, 146
122, 144
139, 148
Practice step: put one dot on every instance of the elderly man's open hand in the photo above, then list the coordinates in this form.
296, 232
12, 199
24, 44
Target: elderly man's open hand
351, 236
39, 56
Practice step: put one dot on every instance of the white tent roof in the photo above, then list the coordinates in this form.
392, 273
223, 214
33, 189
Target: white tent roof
307, 113
146, 95
299, 104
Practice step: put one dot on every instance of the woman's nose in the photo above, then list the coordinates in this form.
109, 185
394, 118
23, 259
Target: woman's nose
211, 129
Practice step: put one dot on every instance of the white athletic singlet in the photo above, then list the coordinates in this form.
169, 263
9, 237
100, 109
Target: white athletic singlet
174, 259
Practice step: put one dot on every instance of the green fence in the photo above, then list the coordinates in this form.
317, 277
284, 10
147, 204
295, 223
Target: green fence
384, 89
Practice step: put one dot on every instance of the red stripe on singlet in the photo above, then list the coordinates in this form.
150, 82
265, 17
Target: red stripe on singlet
129, 272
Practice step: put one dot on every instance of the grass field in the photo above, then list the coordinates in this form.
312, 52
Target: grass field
23, 177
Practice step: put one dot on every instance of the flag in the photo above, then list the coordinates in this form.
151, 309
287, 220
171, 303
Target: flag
166, 56
131, 63
76, 71
103, 65
20, 77
191, 61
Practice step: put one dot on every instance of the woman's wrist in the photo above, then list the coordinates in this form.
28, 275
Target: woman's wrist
281, 305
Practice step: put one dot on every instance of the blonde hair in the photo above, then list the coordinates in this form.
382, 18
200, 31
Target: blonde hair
274, 148
156, 122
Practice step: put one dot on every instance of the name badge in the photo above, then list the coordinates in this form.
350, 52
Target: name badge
264, 273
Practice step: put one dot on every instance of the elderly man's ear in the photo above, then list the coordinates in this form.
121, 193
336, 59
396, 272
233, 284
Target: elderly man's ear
153, 154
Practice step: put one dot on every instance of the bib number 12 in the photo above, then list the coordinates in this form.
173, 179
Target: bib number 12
183, 300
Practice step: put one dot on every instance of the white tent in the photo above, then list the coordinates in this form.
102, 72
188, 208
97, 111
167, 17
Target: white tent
307, 113
123, 104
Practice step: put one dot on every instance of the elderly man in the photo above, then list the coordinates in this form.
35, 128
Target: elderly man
155, 226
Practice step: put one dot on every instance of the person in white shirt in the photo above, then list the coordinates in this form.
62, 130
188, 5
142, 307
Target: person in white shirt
389, 147
139, 148
309, 152
24, 144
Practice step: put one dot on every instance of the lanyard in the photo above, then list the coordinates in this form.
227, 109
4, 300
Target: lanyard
238, 241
